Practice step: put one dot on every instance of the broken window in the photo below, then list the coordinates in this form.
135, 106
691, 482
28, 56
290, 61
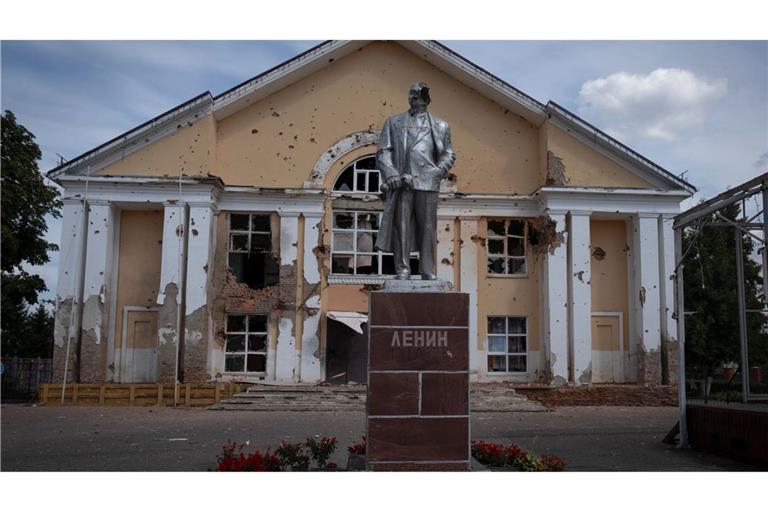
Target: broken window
246, 344
507, 344
354, 235
359, 176
354, 232
250, 250
506, 247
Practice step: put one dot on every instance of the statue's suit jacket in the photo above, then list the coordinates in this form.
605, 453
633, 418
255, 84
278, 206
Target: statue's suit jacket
394, 158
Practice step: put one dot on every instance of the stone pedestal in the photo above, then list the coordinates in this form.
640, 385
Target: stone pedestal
418, 380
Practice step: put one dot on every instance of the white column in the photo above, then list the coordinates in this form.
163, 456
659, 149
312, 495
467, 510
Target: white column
446, 259
312, 367
201, 245
555, 294
581, 298
172, 267
469, 265
172, 259
646, 261
70, 255
667, 268
287, 356
96, 290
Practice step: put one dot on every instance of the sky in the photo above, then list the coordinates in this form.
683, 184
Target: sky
699, 107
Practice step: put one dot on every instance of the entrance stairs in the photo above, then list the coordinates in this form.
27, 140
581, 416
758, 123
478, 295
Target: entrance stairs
352, 398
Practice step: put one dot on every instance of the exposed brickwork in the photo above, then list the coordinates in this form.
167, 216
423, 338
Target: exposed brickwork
93, 358
624, 395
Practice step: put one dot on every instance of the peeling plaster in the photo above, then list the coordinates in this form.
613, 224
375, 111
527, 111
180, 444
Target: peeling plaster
555, 171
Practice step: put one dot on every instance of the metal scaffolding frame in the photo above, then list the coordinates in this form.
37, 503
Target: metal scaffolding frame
755, 226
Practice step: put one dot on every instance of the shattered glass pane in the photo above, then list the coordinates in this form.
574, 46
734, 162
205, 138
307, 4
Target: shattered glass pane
517, 266
238, 222
496, 227
360, 182
516, 325
515, 246
516, 227
238, 243
373, 182
516, 345
517, 363
343, 241
495, 265
367, 163
344, 181
497, 363
497, 344
261, 223
497, 325
257, 323
234, 363
368, 264
388, 265
342, 264
235, 343
367, 221
235, 323
261, 242
495, 246
257, 343
343, 220
257, 363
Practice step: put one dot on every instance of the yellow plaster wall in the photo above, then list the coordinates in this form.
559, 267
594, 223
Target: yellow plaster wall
189, 150
138, 274
585, 167
506, 296
609, 281
277, 141
347, 297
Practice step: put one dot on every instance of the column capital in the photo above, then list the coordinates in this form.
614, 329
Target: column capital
580, 213
644, 215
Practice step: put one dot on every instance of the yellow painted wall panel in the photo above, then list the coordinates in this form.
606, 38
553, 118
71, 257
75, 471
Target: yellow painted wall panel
586, 167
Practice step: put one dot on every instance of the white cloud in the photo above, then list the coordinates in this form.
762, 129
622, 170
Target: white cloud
659, 105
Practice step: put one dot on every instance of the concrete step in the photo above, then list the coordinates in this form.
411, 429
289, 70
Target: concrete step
353, 398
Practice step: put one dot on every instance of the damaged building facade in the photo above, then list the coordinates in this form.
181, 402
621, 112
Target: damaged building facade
231, 238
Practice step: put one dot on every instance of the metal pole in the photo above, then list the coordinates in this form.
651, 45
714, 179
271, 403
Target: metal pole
765, 244
680, 296
742, 315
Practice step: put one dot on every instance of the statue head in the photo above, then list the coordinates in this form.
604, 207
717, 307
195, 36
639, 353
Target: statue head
418, 96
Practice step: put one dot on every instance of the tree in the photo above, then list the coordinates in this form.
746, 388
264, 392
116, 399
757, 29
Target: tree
712, 332
26, 200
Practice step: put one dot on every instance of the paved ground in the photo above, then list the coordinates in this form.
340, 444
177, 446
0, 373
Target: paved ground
161, 439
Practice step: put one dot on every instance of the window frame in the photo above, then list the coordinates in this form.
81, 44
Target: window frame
358, 203
505, 256
507, 354
247, 333
250, 232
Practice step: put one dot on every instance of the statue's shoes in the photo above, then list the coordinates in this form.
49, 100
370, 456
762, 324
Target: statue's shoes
403, 275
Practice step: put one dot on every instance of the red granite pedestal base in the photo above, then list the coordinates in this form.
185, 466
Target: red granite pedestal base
418, 382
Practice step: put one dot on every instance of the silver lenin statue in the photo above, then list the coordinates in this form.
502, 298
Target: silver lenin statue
414, 156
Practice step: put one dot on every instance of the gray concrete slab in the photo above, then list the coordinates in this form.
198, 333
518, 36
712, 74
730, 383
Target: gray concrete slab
166, 439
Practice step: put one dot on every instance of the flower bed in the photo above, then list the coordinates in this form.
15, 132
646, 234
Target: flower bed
495, 455
287, 456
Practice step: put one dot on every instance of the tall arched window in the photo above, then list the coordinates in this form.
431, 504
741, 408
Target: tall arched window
355, 225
